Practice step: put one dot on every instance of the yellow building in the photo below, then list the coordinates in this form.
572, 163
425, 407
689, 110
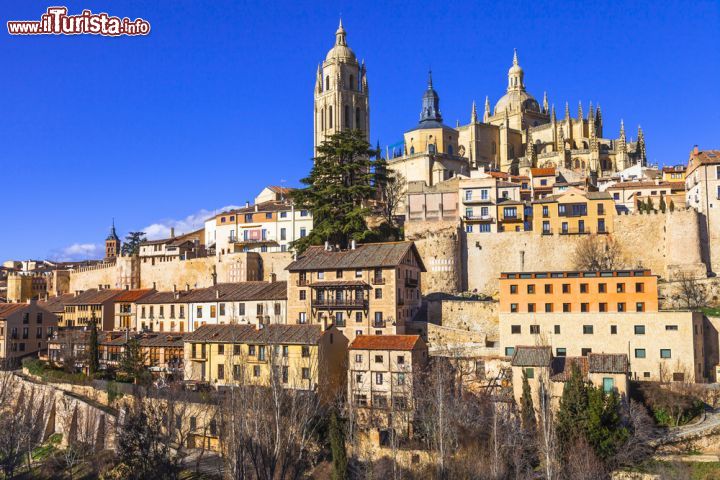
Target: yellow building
574, 212
370, 289
300, 357
91, 304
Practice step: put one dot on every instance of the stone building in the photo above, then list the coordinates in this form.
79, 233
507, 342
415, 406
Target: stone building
24, 330
341, 93
702, 184
367, 289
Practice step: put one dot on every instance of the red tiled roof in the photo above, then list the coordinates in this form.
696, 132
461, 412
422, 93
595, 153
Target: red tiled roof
7, 309
562, 367
133, 295
385, 342
56, 304
94, 297
542, 172
707, 157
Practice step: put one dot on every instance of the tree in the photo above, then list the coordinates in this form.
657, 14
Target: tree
672, 206
93, 349
650, 206
337, 447
663, 206
595, 253
692, 294
344, 179
131, 246
527, 410
132, 363
392, 192
604, 429
572, 414
640, 207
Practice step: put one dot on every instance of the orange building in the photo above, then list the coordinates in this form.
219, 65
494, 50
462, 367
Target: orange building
579, 292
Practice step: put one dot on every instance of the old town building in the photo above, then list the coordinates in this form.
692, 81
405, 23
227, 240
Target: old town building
702, 183
574, 212
24, 330
367, 289
91, 305
126, 308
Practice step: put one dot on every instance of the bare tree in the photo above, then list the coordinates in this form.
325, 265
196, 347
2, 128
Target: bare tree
392, 192
595, 253
547, 440
691, 294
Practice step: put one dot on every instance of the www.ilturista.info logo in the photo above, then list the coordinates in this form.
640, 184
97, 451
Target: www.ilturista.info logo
57, 22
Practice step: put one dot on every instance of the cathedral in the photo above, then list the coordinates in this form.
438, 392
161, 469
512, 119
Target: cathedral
516, 135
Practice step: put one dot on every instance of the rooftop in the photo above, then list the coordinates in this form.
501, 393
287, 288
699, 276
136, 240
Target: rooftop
577, 274
93, 296
56, 304
531, 357
270, 334
385, 342
7, 309
228, 292
370, 255
133, 295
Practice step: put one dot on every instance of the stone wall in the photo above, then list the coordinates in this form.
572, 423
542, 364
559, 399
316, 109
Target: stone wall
668, 244
439, 244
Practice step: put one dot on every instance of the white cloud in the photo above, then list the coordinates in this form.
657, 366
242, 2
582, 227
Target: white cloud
77, 251
192, 222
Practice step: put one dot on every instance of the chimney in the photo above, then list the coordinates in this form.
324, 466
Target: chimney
353, 244
174, 288
217, 293
172, 232
187, 287
273, 278
256, 207
695, 150
247, 204
154, 286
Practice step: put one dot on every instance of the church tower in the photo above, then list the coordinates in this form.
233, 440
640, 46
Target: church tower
112, 244
341, 93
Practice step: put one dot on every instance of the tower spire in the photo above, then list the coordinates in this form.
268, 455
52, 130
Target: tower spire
515, 57
430, 85
567, 110
545, 102
473, 113
580, 111
552, 114
486, 116
591, 113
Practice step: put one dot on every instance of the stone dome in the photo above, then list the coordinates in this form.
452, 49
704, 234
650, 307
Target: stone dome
340, 50
517, 100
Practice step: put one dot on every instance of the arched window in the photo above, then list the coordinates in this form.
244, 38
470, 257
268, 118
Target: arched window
358, 124
330, 123
347, 117
322, 119
352, 82
577, 163
327, 82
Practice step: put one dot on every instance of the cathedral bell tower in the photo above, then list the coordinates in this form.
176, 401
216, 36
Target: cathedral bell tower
341, 93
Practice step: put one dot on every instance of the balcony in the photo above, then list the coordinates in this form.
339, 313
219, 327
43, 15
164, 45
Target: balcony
379, 324
378, 281
574, 231
339, 303
479, 218
511, 219
477, 200
303, 282
411, 282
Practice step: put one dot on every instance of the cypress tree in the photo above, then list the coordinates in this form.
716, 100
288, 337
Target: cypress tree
572, 414
672, 206
337, 447
527, 409
650, 205
93, 348
663, 207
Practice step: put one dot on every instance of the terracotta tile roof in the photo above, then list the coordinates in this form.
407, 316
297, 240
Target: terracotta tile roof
369, 255
162, 339
675, 169
271, 334
385, 342
228, 292
7, 309
531, 357
93, 297
133, 295
607, 363
562, 367
56, 304
641, 184
542, 172
676, 186
706, 157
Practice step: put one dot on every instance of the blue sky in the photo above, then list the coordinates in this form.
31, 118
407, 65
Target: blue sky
217, 101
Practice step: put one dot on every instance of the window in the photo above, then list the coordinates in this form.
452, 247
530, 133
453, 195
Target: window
566, 307
548, 308
221, 372
213, 312
378, 293
602, 307
585, 351
306, 373
305, 351
221, 349
621, 306
620, 288
378, 378
639, 287
587, 329
566, 288
602, 287
548, 288
601, 225
546, 227
665, 353
358, 317
509, 351
510, 212
530, 373
535, 329
256, 370
251, 350
514, 307
468, 229
339, 319
378, 359
545, 211
608, 384
468, 194
199, 312
640, 306
283, 232
584, 307
639, 353
531, 308
613, 329
556, 329
531, 289
513, 289
401, 360
303, 232
400, 379
671, 327
560, 352
583, 288
515, 329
